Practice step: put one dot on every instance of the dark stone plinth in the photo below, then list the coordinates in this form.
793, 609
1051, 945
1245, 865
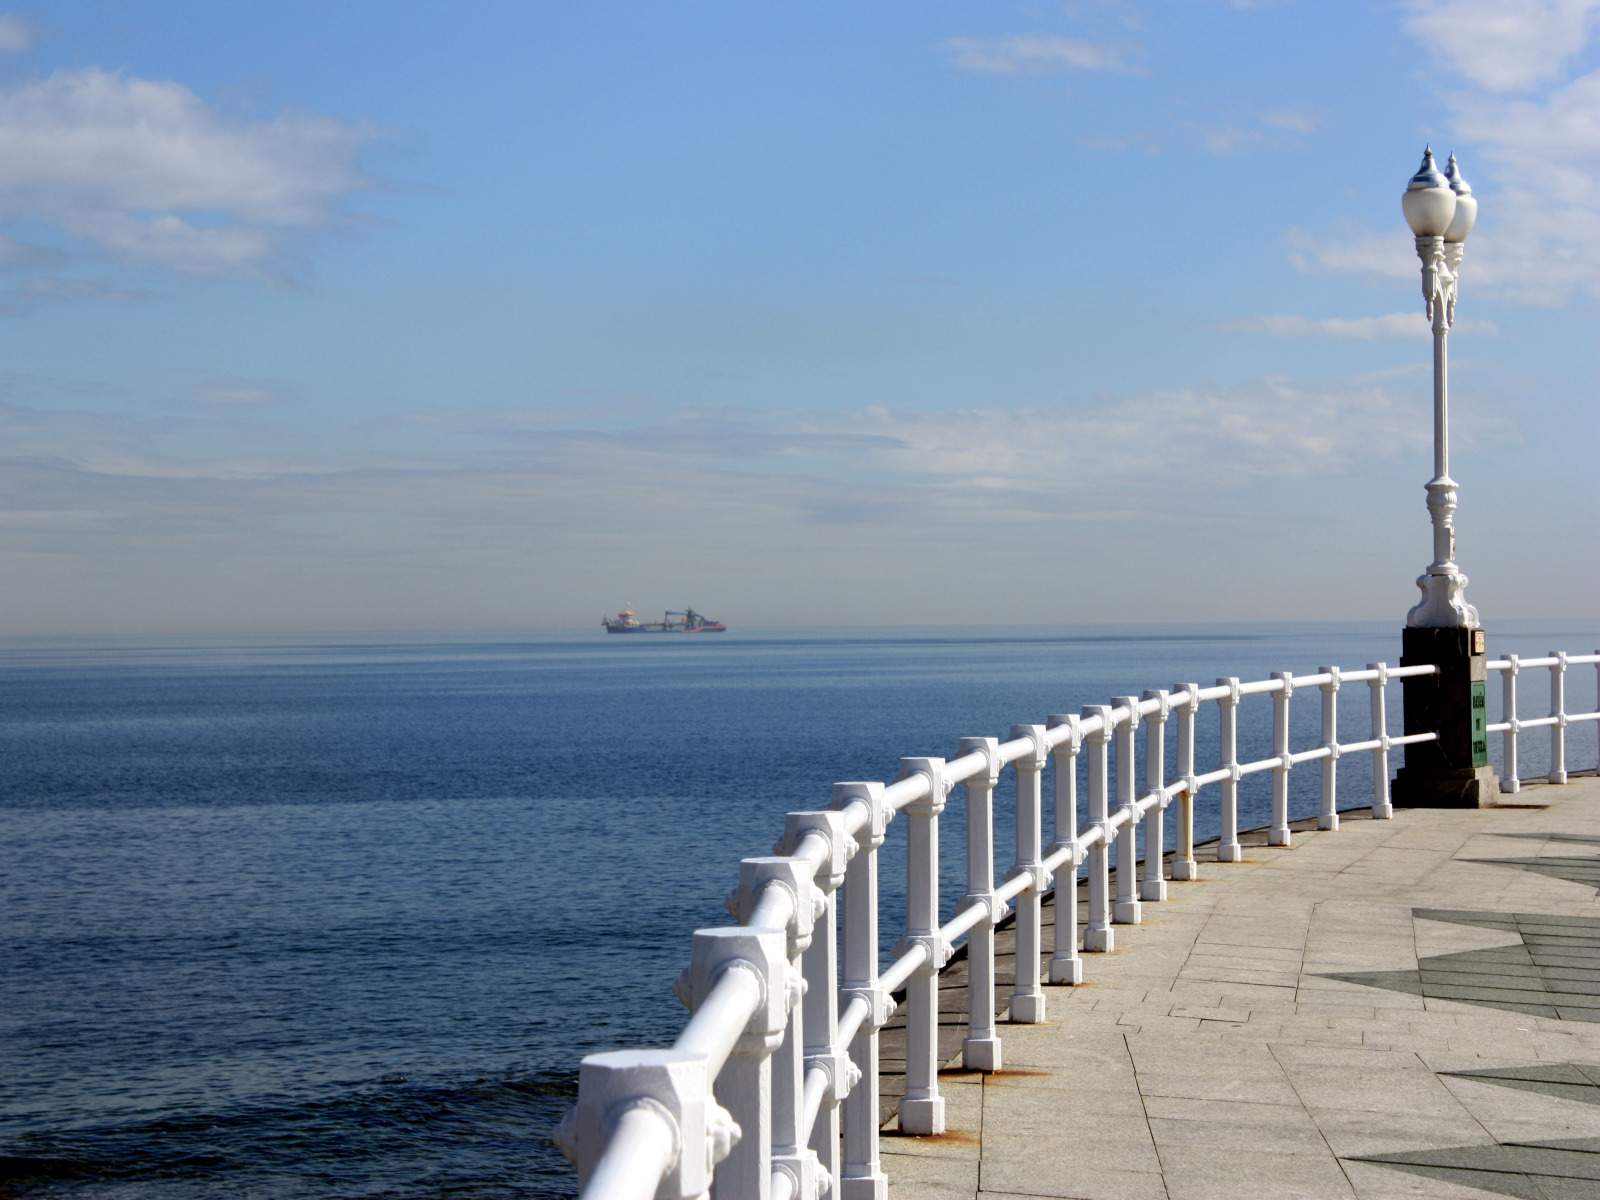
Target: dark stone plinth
1443, 774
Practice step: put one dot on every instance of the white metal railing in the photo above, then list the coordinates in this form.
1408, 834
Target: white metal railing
1558, 661
771, 1090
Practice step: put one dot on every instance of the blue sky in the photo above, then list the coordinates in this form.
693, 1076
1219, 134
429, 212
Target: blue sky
430, 316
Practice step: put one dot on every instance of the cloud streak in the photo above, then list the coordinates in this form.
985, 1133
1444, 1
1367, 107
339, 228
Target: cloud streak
1272, 429
1040, 54
857, 514
1365, 329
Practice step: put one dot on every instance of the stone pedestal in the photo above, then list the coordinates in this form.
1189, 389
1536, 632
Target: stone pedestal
1453, 772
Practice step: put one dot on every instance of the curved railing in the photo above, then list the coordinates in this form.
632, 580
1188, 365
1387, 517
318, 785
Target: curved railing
771, 1090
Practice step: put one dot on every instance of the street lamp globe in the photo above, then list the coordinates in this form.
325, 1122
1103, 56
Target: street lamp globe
1429, 202
1466, 204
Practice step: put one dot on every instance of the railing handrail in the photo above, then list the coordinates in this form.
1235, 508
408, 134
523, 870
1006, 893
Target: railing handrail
774, 1076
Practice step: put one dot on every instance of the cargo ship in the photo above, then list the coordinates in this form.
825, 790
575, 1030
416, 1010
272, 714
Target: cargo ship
687, 621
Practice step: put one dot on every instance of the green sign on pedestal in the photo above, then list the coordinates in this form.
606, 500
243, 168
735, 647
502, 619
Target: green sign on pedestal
1480, 720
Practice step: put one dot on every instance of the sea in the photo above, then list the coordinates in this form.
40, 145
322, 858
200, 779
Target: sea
337, 916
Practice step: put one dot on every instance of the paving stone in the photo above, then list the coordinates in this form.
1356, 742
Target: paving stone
1235, 1172
1375, 1181
1073, 1181
1268, 1137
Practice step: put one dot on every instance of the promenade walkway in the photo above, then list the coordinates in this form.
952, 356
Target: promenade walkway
1402, 1008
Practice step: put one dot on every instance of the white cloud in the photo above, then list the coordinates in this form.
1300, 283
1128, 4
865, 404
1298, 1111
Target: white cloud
1540, 235
1390, 325
51, 289
147, 173
1504, 45
1142, 139
1038, 54
18, 35
1352, 248
1231, 140
224, 394
25, 256
1272, 429
1281, 130
1294, 122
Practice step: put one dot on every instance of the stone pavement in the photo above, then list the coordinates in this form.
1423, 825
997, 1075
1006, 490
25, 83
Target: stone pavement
1402, 1008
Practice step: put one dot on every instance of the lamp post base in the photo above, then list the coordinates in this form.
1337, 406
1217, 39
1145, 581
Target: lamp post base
1475, 787
1453, 772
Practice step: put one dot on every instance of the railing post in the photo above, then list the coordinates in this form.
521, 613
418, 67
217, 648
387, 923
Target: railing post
1065, 964
744, 1085
1153, 886
1027, 997
1508, 713
922, 1108
1183, 864
1127, 910
980, 1049
1279, 834
820, 1005
1558, 710
1382, 808
790, 1151
1098, 936
1328, 816
1228, 848
861, 1174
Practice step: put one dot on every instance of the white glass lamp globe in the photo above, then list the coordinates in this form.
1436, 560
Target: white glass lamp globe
1428, 202
1466, 204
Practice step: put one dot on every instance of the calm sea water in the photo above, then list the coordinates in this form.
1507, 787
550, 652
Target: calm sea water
337, 917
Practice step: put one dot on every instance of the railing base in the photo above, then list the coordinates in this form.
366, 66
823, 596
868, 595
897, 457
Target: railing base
864, 1187
1068, 973
1185, 872
1030, 1010
922, 1118
980, 1054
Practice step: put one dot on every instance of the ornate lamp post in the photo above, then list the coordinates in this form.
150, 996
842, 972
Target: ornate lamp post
1443, 628
1441, 210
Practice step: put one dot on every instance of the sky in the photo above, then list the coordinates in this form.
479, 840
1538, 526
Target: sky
426, 316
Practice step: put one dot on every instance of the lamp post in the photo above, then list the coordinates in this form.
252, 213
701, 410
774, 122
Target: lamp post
1443, 628
1441, 209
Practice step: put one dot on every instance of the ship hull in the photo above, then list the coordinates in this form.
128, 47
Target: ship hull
665, 629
